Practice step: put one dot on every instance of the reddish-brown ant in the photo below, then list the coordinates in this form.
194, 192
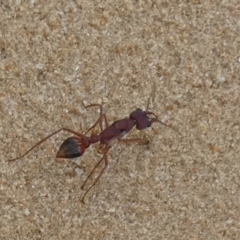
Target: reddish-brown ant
75, 146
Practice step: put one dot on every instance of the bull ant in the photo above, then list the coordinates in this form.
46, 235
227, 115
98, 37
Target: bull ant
75, 146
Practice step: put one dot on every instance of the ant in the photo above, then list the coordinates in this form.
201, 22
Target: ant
75, 146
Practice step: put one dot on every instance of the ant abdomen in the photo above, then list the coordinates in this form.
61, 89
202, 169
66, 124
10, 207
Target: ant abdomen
71, 148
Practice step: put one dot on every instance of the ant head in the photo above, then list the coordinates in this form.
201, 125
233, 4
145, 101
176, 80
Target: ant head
142, 119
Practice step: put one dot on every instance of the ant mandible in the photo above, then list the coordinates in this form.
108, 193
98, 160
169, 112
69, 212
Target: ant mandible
75, 146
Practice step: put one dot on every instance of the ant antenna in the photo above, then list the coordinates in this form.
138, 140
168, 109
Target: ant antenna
148, 103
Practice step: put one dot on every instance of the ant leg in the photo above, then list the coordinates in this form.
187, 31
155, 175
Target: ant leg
91, 173
44, 139
140, 140
99, 120
100, 174
105, 121
102, 117
98, 177
126, 140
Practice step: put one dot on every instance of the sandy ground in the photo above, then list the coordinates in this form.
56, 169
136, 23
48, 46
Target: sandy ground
184, 56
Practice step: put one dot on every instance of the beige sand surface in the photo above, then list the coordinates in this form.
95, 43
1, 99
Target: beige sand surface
184, 55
